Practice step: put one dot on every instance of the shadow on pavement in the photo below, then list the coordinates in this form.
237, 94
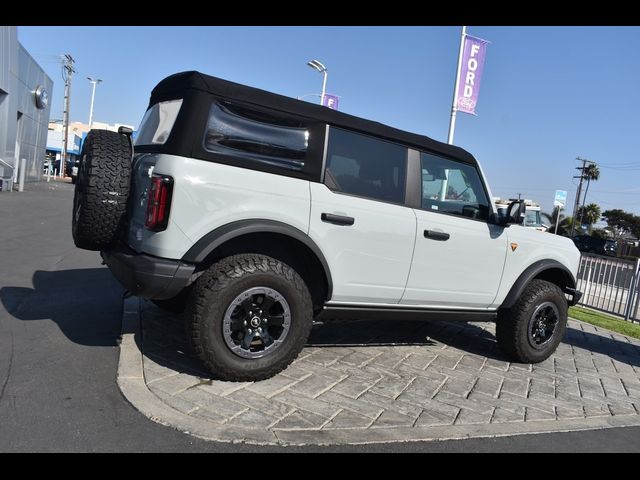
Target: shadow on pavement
165, 340
618, 350
85, 303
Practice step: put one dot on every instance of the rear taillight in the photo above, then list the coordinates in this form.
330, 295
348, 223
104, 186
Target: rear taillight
159, 203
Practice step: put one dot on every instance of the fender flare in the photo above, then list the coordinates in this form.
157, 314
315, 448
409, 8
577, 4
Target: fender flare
533, 271
212, 240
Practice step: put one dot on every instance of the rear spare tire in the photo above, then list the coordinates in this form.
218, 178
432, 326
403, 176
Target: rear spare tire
102, 189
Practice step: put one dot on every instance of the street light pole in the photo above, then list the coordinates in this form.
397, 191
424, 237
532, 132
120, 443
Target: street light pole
324, 87
315, 64
94, 81
454, 106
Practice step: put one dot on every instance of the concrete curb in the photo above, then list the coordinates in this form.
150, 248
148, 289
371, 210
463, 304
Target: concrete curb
132, 384
133, 387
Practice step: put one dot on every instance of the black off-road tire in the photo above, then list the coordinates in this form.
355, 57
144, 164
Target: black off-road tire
216, 289
513, 323
102, 190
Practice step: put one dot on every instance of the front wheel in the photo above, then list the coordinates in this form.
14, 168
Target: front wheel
531, 330
248, 317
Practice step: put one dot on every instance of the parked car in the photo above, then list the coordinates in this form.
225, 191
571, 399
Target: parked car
599, 246
258, 213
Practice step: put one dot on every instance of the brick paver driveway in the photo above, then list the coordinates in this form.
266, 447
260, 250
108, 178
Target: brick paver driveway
372, 381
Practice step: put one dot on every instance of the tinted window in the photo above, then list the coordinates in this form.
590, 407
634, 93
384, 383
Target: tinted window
256, 135
366, 166
157, 123
452, 187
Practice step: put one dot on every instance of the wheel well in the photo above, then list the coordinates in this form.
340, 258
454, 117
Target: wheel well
558, 276
548, 270
281, 247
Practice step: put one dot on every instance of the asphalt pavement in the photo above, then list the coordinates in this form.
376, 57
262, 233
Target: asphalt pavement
60, 320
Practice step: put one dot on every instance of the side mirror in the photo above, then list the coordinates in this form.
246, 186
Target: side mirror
515, 213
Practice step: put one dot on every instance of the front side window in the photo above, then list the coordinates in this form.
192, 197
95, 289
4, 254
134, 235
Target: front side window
366, 166
452, 187
157, 123
256, 135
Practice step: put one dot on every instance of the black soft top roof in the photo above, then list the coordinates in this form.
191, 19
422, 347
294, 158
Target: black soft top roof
175, 86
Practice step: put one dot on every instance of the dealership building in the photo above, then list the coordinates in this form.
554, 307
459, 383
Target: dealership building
25, 91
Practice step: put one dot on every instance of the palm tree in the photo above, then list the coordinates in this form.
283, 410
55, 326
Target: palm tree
564, 227
553, 216
592, 172
590, 214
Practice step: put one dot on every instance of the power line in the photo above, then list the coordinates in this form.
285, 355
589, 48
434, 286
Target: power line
621, 164
617, 192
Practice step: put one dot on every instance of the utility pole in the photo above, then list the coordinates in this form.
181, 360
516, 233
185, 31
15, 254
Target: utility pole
67, 74
579, 192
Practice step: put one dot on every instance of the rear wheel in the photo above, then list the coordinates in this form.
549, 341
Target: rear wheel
102, 189
248, 317
532, 329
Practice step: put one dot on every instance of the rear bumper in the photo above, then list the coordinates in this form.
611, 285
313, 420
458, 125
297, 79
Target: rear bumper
148, 276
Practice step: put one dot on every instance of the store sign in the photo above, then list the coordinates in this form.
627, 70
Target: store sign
41, 97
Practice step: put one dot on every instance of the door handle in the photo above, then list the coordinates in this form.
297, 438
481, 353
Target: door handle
433, 235
337, 219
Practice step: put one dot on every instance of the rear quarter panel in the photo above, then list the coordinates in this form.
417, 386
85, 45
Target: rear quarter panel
208, 195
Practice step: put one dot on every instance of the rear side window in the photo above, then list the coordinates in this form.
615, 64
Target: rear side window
261, 136
366, 166
157, 123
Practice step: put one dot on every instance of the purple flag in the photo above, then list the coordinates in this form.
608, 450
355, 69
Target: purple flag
470, 74
330, 101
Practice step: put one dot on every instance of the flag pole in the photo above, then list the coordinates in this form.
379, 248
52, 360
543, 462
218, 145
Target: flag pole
454, 107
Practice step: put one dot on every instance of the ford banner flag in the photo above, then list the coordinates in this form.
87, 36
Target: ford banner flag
470, 74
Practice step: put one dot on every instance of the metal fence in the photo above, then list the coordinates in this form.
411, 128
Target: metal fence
611, 285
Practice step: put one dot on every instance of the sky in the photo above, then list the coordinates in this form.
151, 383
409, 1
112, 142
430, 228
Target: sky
548, 94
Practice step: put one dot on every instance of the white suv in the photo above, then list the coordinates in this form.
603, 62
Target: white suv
256, 213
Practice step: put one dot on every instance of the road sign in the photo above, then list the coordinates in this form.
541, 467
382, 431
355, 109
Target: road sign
560, 199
